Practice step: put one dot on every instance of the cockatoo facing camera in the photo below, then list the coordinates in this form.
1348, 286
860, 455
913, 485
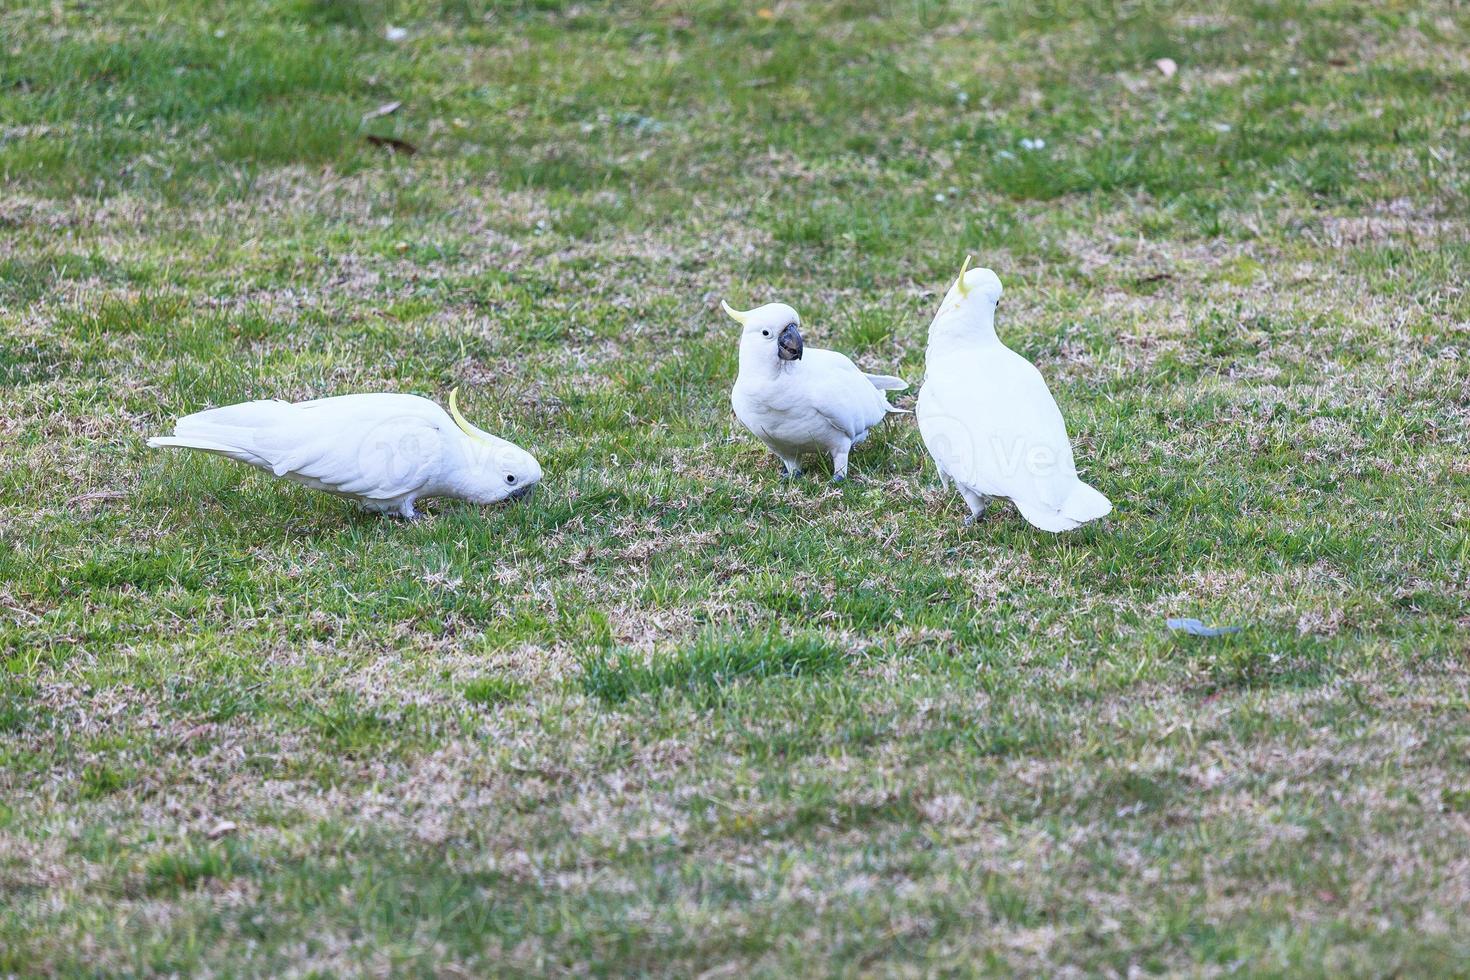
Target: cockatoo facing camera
798, 399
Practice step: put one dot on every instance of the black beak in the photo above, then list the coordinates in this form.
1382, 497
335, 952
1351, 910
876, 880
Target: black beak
789, 345
520, 493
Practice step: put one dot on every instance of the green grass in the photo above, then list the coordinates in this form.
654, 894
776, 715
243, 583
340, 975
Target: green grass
708, 667
490, 691
675, 714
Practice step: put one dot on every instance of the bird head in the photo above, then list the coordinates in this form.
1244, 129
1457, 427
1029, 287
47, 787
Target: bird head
970, 303
773, 328
495, 469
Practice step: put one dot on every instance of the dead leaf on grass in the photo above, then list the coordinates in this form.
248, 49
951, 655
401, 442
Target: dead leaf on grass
392, 144
1196, 628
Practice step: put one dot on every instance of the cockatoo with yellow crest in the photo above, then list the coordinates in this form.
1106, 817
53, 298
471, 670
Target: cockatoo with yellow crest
384, 451
798, 399
989, 420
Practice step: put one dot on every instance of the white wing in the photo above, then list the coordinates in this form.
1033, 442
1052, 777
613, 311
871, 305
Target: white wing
379, 460
841, 393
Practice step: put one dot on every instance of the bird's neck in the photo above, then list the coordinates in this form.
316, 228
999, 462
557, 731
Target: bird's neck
462, 459
953, 334
760, 365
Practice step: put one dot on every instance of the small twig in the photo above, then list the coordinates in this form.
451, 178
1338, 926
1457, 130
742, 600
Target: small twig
23, 612
386, 109
87, 498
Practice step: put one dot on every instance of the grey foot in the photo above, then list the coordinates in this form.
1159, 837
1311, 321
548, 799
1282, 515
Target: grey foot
839, 477
974, 516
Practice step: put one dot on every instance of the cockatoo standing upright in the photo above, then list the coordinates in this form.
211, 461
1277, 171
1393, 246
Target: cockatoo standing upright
989, 420
384, 451
798, 399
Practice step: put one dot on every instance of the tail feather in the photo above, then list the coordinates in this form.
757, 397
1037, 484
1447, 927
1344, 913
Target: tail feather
217, 448
1083, 504
886, 382
245, 416
228, 431
174, 442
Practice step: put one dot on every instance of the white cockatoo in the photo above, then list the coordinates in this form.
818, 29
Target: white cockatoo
384, 451
798, 399
989, 420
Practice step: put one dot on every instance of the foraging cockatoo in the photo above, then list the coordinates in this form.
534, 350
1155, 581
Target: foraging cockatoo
798, 399
989, 420
384, 451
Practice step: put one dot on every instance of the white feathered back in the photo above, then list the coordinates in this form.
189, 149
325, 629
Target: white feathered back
988, 418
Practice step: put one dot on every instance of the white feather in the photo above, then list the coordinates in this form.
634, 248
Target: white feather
989, 420
384, 451
886, 382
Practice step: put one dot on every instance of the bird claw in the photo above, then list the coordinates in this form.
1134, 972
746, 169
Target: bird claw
839, 477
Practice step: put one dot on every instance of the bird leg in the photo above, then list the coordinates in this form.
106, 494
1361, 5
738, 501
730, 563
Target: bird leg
792, 465
977, 502
407, 512
839, 463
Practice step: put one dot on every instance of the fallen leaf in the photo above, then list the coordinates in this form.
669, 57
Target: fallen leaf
1195, 628
766, 13
198, 731
1167, 67
640, 124
222, 828
386, 109
392, 144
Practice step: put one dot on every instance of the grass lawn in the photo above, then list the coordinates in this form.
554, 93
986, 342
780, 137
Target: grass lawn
675, 715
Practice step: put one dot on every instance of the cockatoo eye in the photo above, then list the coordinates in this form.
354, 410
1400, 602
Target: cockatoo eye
765, 333
510, 478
